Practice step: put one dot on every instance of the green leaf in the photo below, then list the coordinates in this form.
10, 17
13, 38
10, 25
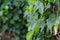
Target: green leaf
12, 21
57, 22
6, 7
29, 35
16, 17
50, 22
47, 6
31, 2
4, 19
39, 6
36, 16
4, 27
51, 0
40, 37
27, 14
57, 2
30, 8
32, 27
1, 13
37, 29
42, 25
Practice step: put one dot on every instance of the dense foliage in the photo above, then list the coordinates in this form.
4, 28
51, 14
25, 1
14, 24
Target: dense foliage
29, 19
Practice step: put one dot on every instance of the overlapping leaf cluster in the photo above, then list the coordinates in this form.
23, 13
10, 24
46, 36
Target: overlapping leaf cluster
42, 19
30, 19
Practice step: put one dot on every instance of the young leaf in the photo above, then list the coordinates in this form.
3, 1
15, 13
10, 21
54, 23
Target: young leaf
55, 29
29, 35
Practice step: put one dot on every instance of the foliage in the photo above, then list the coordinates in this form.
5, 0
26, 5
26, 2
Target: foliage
30, 19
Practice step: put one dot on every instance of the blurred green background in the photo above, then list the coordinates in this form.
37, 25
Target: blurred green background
12, 24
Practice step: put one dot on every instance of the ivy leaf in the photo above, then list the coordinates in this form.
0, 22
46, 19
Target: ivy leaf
40, 37
12, 21
42, 25
50, 22
9, 15
29, 35
39, 6
48, 6
36, 16
30, 8
37, 29
50, 0
57, 22
15, 3
4, 27
1, 13
16, 17
55, 29
57, 2
31, 2
27, 14
6, 7
32, 27
4, 19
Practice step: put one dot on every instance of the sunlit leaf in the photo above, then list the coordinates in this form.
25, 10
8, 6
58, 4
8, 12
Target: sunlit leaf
1, 13
29, 35
55, 29
50, 0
